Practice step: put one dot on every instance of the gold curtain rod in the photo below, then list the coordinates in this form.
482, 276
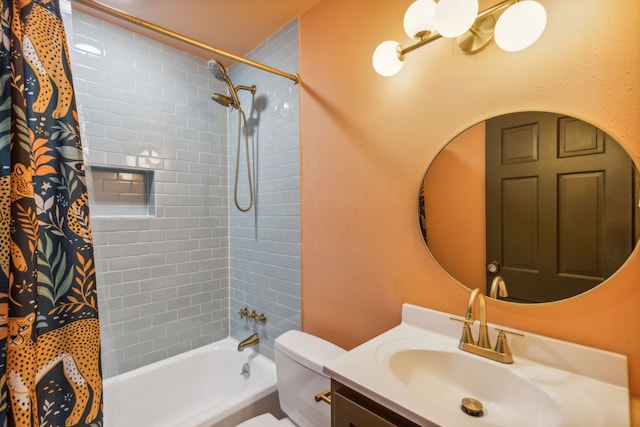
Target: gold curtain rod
295, 78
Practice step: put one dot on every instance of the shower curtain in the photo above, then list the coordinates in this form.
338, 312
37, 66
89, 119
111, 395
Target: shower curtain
49, 333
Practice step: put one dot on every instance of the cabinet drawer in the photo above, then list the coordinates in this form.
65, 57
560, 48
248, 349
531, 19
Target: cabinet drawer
351, 409
350, 414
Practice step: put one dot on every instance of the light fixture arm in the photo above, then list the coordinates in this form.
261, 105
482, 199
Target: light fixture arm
496, 8
418, 44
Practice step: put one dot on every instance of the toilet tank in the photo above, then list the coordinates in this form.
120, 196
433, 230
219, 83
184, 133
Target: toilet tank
300, 358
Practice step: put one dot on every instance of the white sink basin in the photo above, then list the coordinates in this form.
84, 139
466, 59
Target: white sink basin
417, 371
446, 378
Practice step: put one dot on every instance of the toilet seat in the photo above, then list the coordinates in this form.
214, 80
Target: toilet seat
267, 420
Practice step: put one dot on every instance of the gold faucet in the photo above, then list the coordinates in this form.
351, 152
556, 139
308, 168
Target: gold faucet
469, 318
498, 288
482, 346
252, 340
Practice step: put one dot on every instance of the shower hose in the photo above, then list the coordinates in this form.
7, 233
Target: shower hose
242, 116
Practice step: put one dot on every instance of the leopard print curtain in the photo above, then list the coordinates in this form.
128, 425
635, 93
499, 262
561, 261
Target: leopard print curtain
49, 332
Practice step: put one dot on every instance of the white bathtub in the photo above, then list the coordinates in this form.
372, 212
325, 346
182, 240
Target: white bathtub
201, 388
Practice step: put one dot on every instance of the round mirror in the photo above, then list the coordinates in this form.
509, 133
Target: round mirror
531, 207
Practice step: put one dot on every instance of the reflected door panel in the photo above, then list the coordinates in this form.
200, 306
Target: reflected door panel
558, 203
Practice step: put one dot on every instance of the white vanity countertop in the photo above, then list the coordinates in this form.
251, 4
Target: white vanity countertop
592, 383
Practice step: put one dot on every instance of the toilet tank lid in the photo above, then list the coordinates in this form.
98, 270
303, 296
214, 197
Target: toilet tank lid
307, 349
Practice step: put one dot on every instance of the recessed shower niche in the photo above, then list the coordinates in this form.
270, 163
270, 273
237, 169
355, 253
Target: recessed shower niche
122, 192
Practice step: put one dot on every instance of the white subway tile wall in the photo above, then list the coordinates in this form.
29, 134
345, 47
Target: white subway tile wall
164, 282
265, 242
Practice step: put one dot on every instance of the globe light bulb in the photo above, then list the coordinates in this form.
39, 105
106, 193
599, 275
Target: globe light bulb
454, 17
520, 26
385, 58
419, 18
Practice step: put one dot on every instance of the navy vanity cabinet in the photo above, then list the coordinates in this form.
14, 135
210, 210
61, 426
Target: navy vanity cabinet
351, 409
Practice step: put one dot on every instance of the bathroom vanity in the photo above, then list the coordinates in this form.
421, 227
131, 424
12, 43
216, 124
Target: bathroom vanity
350, 408
415, 375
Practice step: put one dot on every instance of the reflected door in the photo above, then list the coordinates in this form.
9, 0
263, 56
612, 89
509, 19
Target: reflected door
553, 221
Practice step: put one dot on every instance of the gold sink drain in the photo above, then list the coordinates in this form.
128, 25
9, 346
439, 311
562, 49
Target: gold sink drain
471, 406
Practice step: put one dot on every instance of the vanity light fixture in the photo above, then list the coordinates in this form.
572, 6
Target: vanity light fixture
515, 25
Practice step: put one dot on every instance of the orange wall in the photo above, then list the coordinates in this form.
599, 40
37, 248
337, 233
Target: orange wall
455, 205
366, 141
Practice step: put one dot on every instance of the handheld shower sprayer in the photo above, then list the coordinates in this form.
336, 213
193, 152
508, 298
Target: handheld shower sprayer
232, 101
220, 73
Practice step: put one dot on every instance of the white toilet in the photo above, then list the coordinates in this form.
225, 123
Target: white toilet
299, 361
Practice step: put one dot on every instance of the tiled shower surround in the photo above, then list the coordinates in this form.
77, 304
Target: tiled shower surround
165, 279
265, 242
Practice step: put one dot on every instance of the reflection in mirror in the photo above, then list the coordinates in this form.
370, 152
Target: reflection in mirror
531, 207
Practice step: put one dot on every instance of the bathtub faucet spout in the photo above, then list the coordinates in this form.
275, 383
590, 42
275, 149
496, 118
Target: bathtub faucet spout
252, 340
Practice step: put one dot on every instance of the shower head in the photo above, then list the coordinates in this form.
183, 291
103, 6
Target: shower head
218, 70
220, 73
223, 100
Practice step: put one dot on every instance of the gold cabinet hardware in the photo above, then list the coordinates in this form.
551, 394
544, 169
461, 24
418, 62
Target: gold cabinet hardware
325, 396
